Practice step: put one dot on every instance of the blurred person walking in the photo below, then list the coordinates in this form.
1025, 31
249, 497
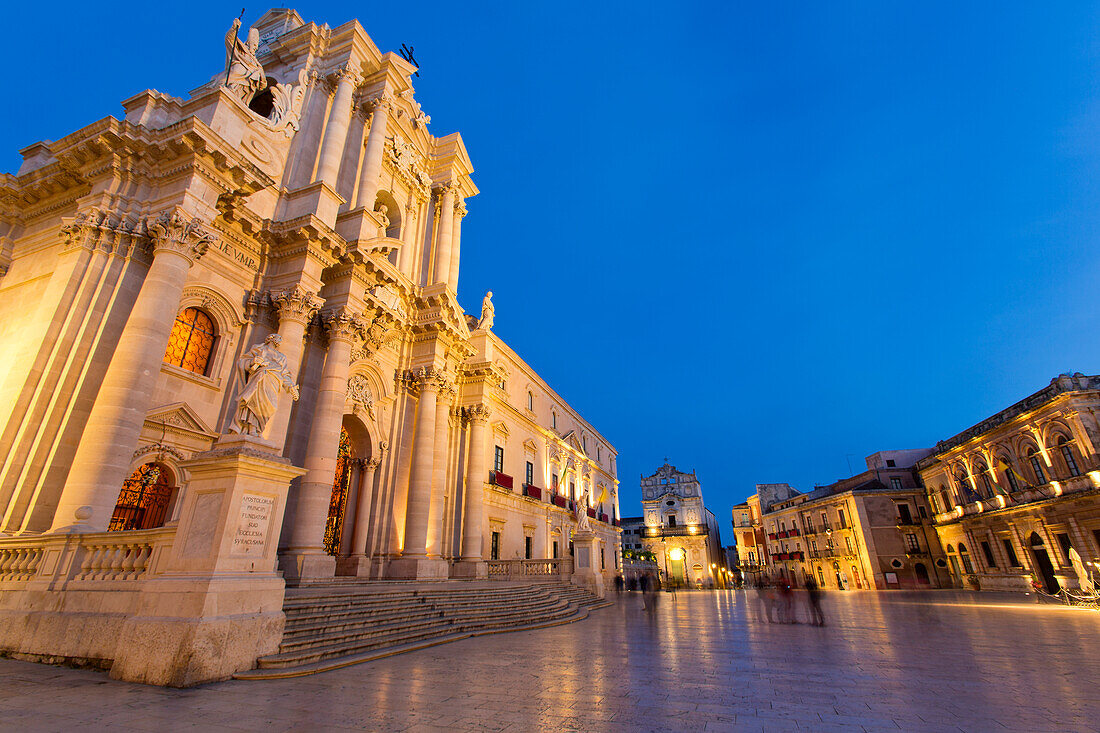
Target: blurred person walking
813, 598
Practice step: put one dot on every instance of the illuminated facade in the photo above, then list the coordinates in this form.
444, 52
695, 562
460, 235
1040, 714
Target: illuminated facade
1017, 493
147, 261
679, 529
748, 532
870, 531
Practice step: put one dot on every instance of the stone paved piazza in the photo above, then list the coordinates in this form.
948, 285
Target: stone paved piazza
933, 661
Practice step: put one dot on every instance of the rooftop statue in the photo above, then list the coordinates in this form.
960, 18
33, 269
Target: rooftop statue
243, 73
487, 312
265, 374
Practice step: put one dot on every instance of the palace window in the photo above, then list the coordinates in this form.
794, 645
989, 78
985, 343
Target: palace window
498, 459
840, 518
1065, 544
1067, 456
572, 490
494, 546
554, 420
554, 482
911, 543
1036, 466
987, 551
530, 475
1010, 551
986, 483
848, 544
895, 483
192, 341
968, 567
1013, 484
672, 520
530, 401
527, 541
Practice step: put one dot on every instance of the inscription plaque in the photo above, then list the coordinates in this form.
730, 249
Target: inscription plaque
253, 523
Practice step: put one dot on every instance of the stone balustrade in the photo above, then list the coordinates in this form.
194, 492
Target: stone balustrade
19, 563
64, 559
513, 569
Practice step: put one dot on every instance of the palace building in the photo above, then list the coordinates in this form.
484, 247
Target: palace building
1017, 496
677, 528
869, 531
235, 357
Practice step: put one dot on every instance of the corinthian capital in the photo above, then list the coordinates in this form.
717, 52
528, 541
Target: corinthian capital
173, 232
427, 379
296, 304
478, 414
343, 325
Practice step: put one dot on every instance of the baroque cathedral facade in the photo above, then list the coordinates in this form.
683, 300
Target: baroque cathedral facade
147, 261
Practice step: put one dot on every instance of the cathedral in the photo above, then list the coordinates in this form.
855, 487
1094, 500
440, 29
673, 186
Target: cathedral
235, 360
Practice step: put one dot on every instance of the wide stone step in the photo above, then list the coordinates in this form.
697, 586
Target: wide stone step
308, 615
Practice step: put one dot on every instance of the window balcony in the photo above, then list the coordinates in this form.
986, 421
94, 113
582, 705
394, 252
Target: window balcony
783, 535
604, 518
532, 491
679, 531
794, 532
616, 523
591, 512
559, 500
500, 479
771, 535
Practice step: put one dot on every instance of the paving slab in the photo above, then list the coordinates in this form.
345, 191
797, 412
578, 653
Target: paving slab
938, 661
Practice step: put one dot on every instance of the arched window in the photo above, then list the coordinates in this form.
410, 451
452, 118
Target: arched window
964, 556
554, 420
1066, 450
983, 476
1036, 466
966, 493
143, 501
192, 341
1010, 475
530, 401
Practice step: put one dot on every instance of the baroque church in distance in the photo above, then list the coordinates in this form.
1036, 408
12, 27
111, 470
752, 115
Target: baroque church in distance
234, 358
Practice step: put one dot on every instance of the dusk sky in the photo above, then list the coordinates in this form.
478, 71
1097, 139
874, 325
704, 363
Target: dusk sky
764, 240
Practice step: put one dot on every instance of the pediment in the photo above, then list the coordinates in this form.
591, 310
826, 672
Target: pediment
573, 442
179, 418
531, 445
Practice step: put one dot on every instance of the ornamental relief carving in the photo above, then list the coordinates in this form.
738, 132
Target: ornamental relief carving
95, 229
296, 304
360, 394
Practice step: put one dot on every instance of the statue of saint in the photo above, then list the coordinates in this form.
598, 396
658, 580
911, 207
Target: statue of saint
383, 214
265, 374
244, 75
487, 312
583, 525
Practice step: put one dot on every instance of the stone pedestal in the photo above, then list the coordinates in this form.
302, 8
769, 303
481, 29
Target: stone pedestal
357, 566
418, 568
217, 605
470, 569
585, 572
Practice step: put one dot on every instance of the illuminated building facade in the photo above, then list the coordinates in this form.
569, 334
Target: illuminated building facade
870, 531
1017, 494
234, 349
679, 529
748, 532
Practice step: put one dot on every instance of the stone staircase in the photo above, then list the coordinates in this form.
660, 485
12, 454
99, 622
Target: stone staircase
340, 624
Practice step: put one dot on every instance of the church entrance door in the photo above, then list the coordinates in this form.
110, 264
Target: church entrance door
334, 525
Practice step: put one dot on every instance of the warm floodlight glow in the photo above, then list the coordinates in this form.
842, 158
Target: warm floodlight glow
676, 554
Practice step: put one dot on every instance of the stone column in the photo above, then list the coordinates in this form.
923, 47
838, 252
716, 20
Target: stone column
363, 507
303, 555
336, 131
476, 474
295, 308
439, 469
376, 147
420, 478
456, 243
446, 230
102, 460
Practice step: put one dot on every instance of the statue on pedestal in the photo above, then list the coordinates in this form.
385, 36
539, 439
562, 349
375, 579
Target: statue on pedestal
265, 374
487, 312
583, 525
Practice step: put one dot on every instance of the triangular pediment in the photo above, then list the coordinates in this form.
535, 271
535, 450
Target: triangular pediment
573, 442
178, 417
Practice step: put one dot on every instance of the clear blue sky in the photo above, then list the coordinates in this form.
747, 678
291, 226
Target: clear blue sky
761, 239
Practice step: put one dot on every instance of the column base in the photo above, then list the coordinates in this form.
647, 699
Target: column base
585, 573
418, 568
303, 568
470, 569
356, 566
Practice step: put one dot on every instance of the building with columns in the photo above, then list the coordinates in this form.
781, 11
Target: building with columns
1018, 495
678, 529
146, 258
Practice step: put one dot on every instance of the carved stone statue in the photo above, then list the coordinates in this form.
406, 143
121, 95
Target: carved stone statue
265, 374
383, 214
244, 74
583, 525
487, 312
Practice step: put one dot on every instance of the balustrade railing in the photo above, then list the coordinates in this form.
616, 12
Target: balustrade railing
509, 569
98, 556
